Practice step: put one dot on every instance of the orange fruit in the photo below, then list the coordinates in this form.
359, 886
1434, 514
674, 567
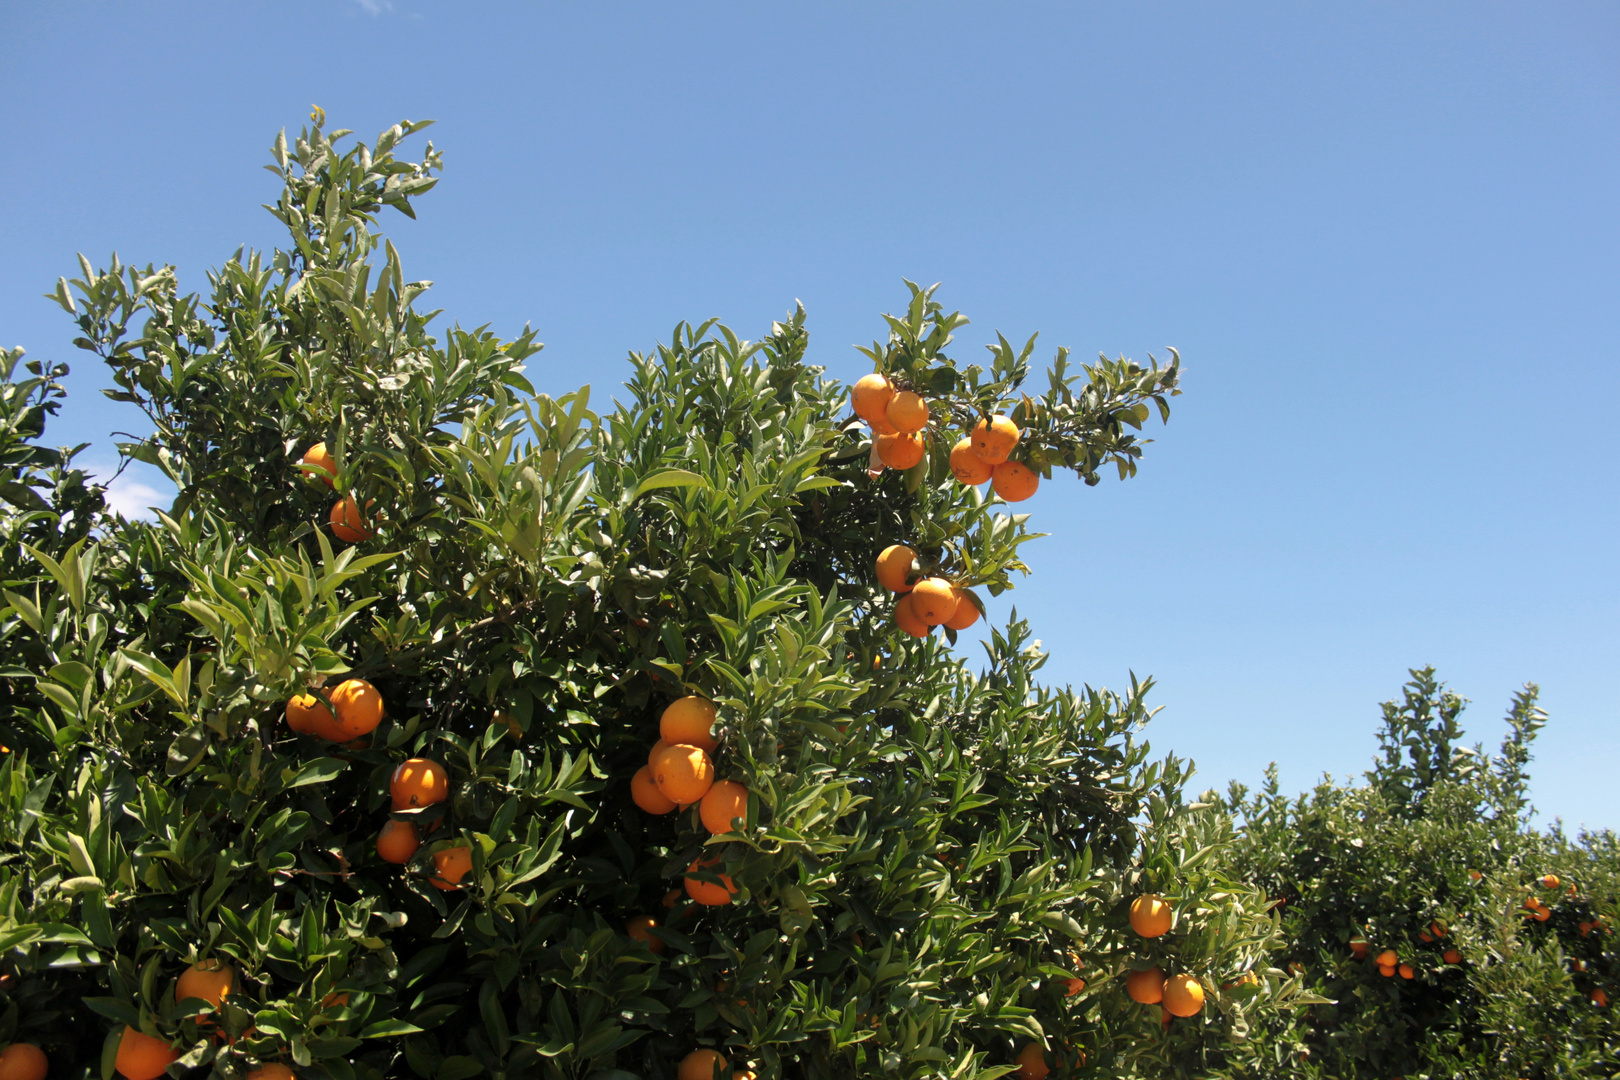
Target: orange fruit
397, 842
724, 801
1183, 995
1451, 956
640, 928
1549, 881
209, 980
359, 708
993, 440
450, 866
744, 1074
321, 458
1358, 947
701, 1065
347, 524
1437, 928
418, 782
933, 600
1599, 998
1387, 958
1031, 1062
273, 1071
1146, 987
1474, 875
893, 565
645, 794
907, 412
1073, 986
1425, 937
1014, 481
672, 898
708, 893
656, 747
966, 613
906, 619
1406, 971
968, 467
1386, 970
1150, 916
308, 715
143, 1057
335, 1001
23, 1061
683, 773
900, 451
689, 721
1543, 914
870, 397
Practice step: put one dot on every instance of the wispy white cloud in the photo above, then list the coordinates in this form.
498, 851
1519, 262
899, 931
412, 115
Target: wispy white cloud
375, 7
135, 500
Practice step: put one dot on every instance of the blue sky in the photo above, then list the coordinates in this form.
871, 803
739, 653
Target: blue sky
1383, 237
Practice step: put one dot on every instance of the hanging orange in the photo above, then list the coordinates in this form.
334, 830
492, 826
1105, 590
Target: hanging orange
968, 467
993, 440
308, 714
273, 1071
1387, 970
320, 458
347, 524
933, 600
645, 794
1387, 958
689, 721
1014, 481
683, 773
359, 708
1183, 995
23, 1061
708, 893
143, 1057
640, 928
870, 397
906, 619
893, 566
700, 1065
1150, 916
900, 451
907, 412
1146, 987
656, 747
727, 799
418, 782
207, 980
450, 866
1031, 1062
397, 842
966, 613
1451, 956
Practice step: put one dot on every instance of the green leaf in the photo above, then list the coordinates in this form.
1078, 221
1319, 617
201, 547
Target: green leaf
317, 771
669, 478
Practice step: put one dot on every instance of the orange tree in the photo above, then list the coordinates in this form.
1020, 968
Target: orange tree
331, 768
1451, 938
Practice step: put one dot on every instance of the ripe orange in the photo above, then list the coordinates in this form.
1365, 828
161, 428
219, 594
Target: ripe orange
645, 794
966, 613
418, 782
308, 715
1031, 1062
906, 619
1600, 998
672, 898
900, 451
273, 1071
23, 1061
640, 928
969, 468
893, 564
1150, 916
1146, 987
1474, 875
450, 866
1549, 881
209, 980
933, 600
347, 524
907, 412
1437, 928
1451, 956
397, 842
870, 397
993, 440
708, 893
143, 1057
683, 773
1183, 995
1073, 986
359, 708
725, 800
701, 1065
690, 721
656, 747
1358, 948
1014, 481
1388, 958
1387, 970
1543, 914
321, 458
1406, 971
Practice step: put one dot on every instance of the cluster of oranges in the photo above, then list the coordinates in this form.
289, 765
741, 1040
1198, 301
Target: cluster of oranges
146, 1057
356, 710
930, 602
1389, 961
679, 774
347, 524
1533, 905
416, 785
899, 421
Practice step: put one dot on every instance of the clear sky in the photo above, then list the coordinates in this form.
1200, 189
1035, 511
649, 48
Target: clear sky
1383, 237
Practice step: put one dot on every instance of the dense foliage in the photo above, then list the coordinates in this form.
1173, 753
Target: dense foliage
936, 864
